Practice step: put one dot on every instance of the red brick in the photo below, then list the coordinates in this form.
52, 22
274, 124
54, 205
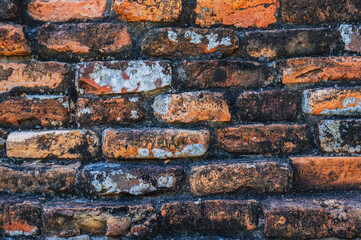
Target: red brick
351, 37
35, 110
263, 139
190, 41
209, 215
316, 69
143, 10
13, 41
155, 143
9, 10
53, 143
62, 11
239, 13
191, 107
246, 176
323, 173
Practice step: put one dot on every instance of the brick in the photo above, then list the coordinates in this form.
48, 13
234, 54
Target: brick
340, 136
155, 143
263, 139
275, 105
36, 177
35, 110
191, 107
13, 41
224, 73
19, 217
320, 11
67, 219
332, 101
63, 11
351, 37
322, 173
3, 136
119, 77
53, 143
238, 13
83, 38
320, 69
303, 218
9, 10
36, 77
118, 179
245, 176
153, 11
289, 42
209, 215
190, 41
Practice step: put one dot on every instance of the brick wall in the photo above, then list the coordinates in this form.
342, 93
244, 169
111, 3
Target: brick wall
171, 119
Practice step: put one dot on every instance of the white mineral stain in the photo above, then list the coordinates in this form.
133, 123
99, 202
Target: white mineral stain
346, 33
193, 150
160, 153
83, 111
165, 181
134, 114
213, 41
194, 37
173, 36
143, 152
330, 127
161, 104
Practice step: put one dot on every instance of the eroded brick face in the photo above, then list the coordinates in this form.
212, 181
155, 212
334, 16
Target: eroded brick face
351, 37
13, 41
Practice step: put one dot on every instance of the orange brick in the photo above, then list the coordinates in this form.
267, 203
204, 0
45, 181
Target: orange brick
13, 41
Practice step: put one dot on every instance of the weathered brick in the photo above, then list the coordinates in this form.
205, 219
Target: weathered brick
9, 10
13, 41
263, 139
62, 11
210, 215
118, 77
36, 177
351, 37
340, 136
320, 11
316, 69
317, 172
289, 42
67, 219
221, 73
268, 105
302, 218
143, 10
36, 77
83, 38
256, 176
117, 179
35, 110
332, 101
191, 107
155, 143
239, 13
190, 41
53, 143
19, 217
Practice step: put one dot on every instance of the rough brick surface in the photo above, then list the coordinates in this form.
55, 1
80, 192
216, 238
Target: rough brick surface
13, 41
191, 107
263, 139
52, 143
320, 69
155, 143
327, 172
62, 11
3, 136
189, 42
119, 77
239, 13
9, 10
143, 10
117, 179
351, 37
256, 176
268, 105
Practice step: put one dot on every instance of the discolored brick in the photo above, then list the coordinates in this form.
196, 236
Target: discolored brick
276, 105
35, 110
191, 107
239, 13
245, 176
119, 77
351, 37
117, 179
3, 136
9, 10
13, 41
190, 41
263, 139
155, 143
153, 11
53, 143
323, 173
